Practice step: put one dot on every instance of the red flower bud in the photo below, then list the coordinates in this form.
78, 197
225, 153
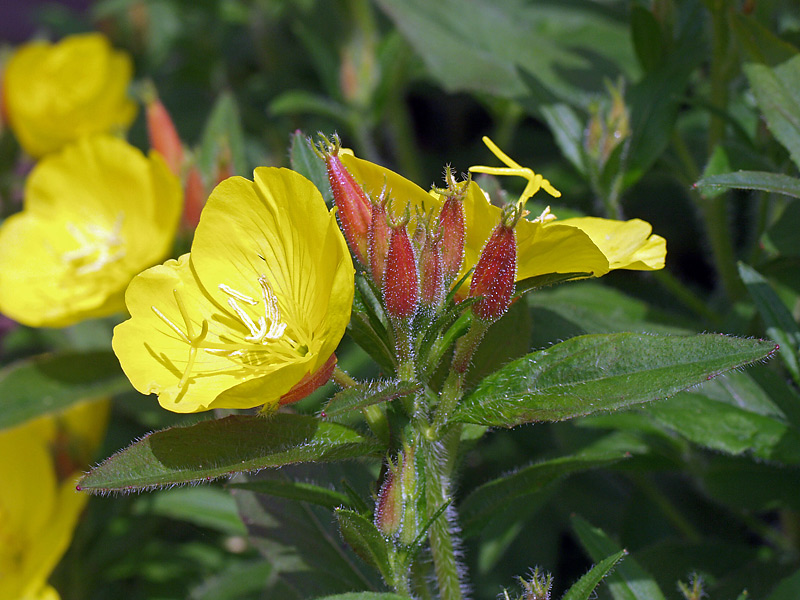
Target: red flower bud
162, 133
453, 225
431, 271
496, 271
194, 198
400, 280
354, 207
389, 508
379, 233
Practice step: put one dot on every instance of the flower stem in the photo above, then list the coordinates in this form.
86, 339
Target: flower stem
440, 534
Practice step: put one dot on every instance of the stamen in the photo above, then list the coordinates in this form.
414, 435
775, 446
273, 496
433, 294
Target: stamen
245, 318
535, 182
171, 325
95, 240
237, 295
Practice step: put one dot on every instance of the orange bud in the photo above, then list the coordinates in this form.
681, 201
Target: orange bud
194, 198
163, 135
400, 280
453, 225
495, 273
354, 207
431, 271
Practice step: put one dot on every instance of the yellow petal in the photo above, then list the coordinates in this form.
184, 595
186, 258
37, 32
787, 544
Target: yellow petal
267, 292
95, 214
626, 244
58, 93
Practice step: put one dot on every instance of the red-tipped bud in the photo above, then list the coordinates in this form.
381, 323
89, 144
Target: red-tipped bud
496, 271
431, 271
194, 198
389, 508
453, 225
401, 280
354, 207
162, 134
379, 233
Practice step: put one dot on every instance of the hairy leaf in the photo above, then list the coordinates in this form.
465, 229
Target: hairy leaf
212, 449
594, 373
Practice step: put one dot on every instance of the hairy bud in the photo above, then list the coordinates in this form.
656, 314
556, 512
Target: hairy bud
495, 273
401, 279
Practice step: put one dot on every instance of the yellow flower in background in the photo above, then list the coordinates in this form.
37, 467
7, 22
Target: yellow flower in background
257, 307
58, 93
95, 214
544, 245
39, 506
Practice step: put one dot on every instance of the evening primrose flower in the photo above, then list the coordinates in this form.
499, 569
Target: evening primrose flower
95, 214
39, 507
58, 93
544, 245
254, 312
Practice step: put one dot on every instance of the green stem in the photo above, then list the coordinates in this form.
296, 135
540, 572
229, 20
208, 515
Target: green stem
715, 216
440, 534
451, 394
686, 296
672, 514
342, 379
720, 69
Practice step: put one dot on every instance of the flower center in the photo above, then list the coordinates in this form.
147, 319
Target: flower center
97, 246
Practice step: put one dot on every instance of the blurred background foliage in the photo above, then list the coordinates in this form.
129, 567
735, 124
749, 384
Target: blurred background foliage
625, 106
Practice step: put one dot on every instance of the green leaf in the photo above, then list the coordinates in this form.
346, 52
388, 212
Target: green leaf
52, 382
223, 134
760, 43
780, 324
647, 38
769, 486
629, 581
365, 596
787, 589
583, 588
366, 394
542, 281
487, 501
304, 161
204, 506
365, 540
595, 373
784, 234
567, 130
728, 428
213, 449
295, 490
301, 102
750, 180
300, 539
777, 91
238, 581
567, 47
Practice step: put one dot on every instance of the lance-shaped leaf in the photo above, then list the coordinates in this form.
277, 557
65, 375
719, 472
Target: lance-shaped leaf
583, 588
365, 540
490, 499
629, 581
295, 490
594, 373
366, 394
781, 326
52, 382
212, 449
223, 138
750, 180
308, 164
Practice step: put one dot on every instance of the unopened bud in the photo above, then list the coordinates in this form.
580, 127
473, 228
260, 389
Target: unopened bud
453, 226
194, 198
379, 233
354, 207
400, 280
162, 133
496, 271
431, 271
389, 508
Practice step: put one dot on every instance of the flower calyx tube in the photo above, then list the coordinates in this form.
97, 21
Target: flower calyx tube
352, 202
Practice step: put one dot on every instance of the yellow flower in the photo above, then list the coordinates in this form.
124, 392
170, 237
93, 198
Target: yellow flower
257, 307
39, 507
95, 214
544, 245
58, 93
